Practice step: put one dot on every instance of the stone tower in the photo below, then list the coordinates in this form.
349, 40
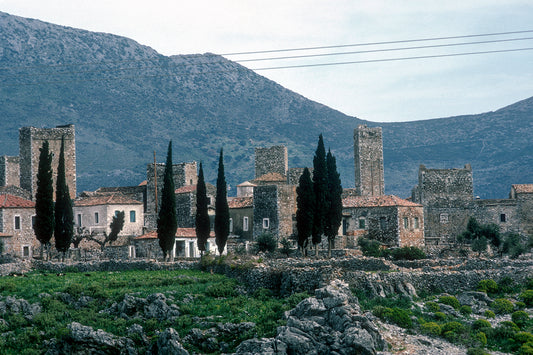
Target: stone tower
31, 140
368, 154
271, 160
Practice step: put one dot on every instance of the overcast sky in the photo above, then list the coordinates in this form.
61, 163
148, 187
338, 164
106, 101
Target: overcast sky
381, 91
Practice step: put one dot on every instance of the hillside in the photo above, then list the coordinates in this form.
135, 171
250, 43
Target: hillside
127, 101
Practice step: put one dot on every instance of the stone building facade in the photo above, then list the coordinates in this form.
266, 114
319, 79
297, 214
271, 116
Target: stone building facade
392, 221
9, 171
271, 160
16, 226
274, 208
31, 140
241, 213
368, 156
185, 246
185, 174
186, 204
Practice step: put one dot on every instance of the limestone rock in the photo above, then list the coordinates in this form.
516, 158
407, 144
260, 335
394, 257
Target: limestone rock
169, 343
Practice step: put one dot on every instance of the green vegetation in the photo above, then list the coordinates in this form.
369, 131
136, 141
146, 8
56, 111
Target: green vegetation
166, 220
199, 296
371, 247
266, 243
202, 223
63, 214
221, 207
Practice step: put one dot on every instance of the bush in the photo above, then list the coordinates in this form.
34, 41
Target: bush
369, 247
406, 253
476, 351
398, 316
221, 289
489, 314
527, 297
432, 306
509, 325
450, 301
487, 286
502, 306
439, 316
481, 338
454, 327
523, 337
465, 310
266, 242
481, 324
520, 318
286, 246
431, 328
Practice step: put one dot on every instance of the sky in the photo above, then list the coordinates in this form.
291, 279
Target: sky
375, 88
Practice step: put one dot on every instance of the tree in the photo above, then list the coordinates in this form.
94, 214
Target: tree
475, 232
203, 224
167, 222
44, 200
320, 185
221, 208
116, 225
479, 245
64, 216
305, 202
334, 201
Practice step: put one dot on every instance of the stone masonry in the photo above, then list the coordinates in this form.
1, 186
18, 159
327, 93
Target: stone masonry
274, 208
271, 160
31, 140
368, 155
9, 171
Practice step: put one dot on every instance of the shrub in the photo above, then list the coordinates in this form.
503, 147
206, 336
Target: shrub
454, 327
369, 247
266, 242
487, 286
523, 337
481, 324
431, 328
520, 305
286, 246
439, 316
407, 253
476, 351
450, 301
489, 314
509, 325
465, 310
520, 318
221, 289
527, 297
399, 316
481, 338
526, 349
432, 306
502, 306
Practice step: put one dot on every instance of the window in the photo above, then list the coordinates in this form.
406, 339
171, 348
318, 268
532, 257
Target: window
132, 216
17, 222
79, 219
116, 213
266, 223
382, 223
503, 217
231, 225
33, 218
25, 251
131, 251
96, 218
443, 218
362, 223
417, 223
245, 224
406, 222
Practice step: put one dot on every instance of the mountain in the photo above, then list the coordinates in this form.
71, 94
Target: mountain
127, 101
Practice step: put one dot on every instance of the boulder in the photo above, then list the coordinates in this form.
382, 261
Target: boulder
169, 343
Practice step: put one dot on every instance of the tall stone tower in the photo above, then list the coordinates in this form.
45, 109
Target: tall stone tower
271, 160
368, 154
31, 140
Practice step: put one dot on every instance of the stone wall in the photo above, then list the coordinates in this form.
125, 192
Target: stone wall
271, 160
31, 140
265, 207
503, 212
9, 171
294, 174
19, 242
368, 156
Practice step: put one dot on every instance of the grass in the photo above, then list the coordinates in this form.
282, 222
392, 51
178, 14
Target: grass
199, 296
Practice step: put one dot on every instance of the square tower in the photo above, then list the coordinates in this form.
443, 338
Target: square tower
368, 155
31, 140
271, 160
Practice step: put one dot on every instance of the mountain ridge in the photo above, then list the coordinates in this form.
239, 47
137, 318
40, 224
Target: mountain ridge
128, 101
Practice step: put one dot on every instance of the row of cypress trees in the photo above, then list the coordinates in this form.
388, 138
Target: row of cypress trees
319, 201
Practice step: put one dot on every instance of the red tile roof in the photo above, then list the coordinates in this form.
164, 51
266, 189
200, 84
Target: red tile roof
186, 189
241, 202
112, 199
377, 201
180, 233
523, 188
10, 201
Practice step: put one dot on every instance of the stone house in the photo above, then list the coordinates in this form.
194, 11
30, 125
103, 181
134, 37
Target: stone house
393, 221
95, 213
186, 245
16, 226
241, 213
186, 204
274, 210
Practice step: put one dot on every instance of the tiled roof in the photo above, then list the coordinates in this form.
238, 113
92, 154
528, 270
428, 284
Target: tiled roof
246, 183
241, 202
180, 233
271, 177
523, 188
10, 201
377, 201
111, 199
186, 189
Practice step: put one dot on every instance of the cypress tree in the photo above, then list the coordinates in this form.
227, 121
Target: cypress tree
305, 201
334, 201
44, 199
167, 222
320, 186
64, 216
203, 225
221, 208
